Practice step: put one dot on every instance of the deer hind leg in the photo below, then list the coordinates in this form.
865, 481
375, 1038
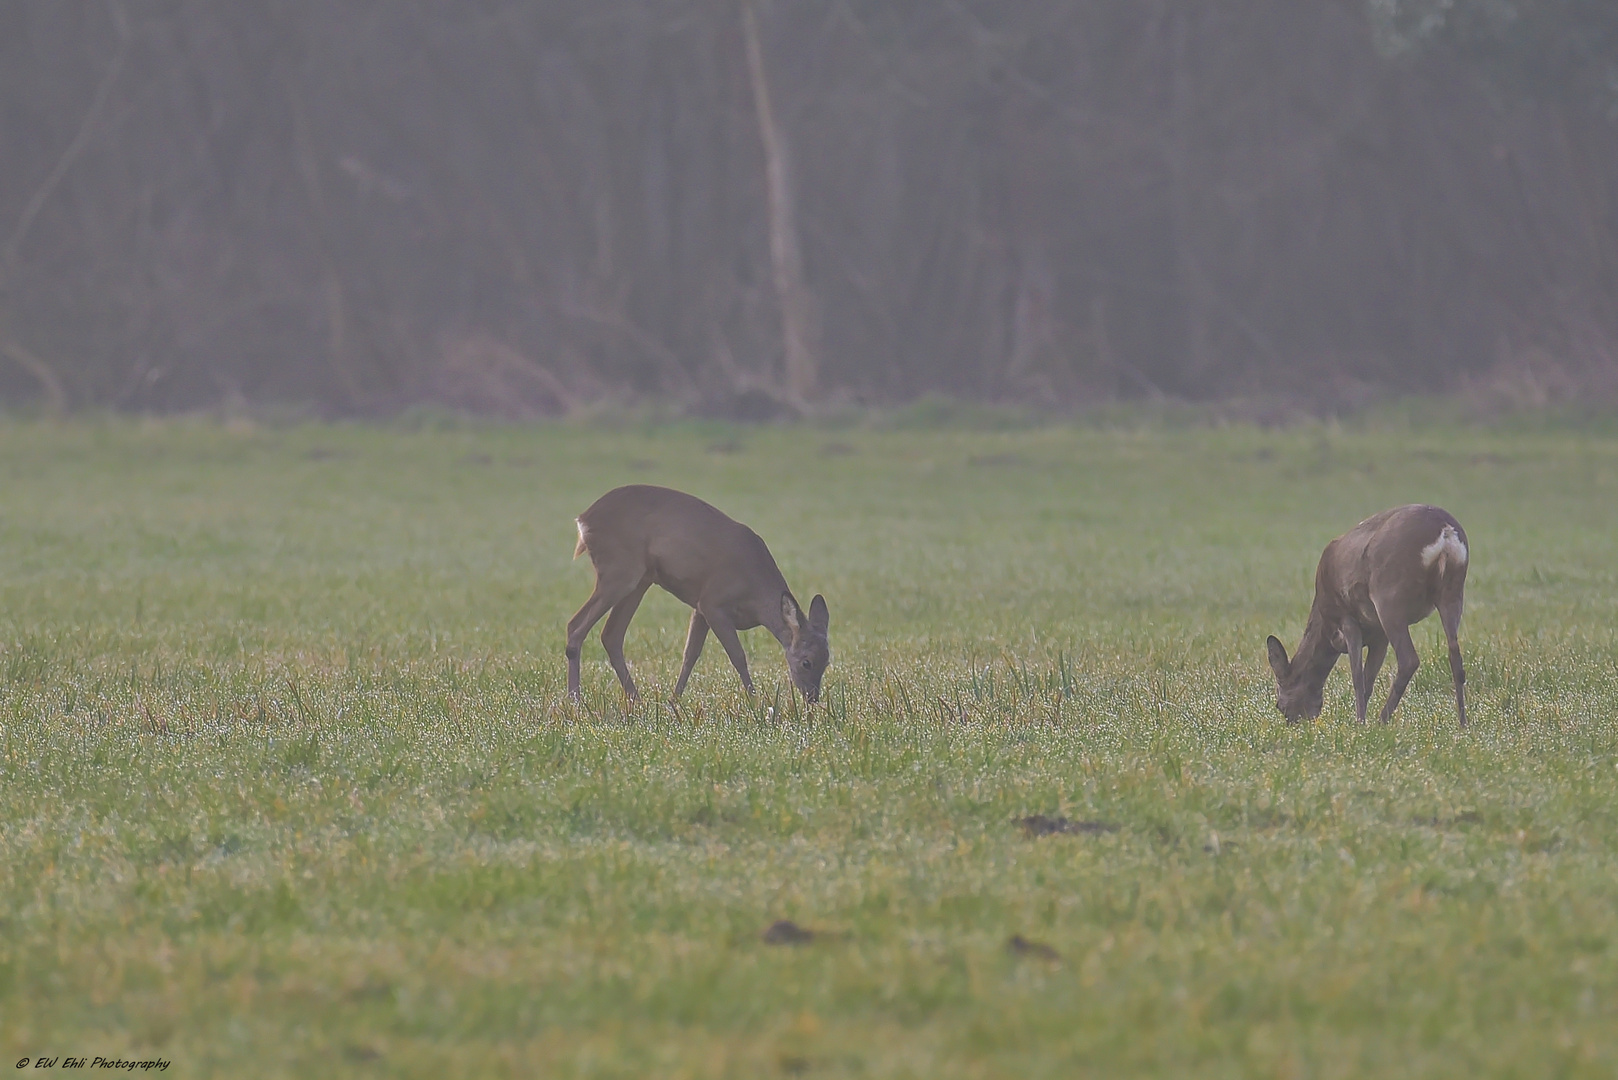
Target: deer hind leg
608, 591
695, 638
612, 636
1449, 613
1404, 655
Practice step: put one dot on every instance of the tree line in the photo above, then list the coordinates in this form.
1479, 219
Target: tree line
750, 207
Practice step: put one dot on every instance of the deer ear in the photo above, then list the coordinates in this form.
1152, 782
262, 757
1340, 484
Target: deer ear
791, 613
1278, 658
819, 617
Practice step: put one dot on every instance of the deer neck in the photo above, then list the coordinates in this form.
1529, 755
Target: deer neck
1316, 655
770, 618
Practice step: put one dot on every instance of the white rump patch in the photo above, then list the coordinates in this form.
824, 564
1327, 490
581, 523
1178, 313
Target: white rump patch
579, 548
1447, 548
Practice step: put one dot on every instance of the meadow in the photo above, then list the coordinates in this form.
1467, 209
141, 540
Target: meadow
289, 784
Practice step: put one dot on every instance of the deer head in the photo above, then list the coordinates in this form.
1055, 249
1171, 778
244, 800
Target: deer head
807, 650
1298, 694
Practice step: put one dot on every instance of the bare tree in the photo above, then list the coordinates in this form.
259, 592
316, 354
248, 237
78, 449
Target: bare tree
786, 257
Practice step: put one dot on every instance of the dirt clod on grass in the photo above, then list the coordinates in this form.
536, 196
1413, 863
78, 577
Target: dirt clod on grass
1434, 821
1046, 825
787, 932
1018, 945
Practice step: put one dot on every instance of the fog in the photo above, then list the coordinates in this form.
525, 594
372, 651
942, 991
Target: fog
750, 208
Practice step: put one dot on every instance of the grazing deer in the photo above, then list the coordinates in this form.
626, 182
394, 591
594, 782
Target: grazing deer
1373, 583
640, 536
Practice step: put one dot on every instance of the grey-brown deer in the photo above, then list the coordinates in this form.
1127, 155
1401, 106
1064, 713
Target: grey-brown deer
1373, 583
640, 536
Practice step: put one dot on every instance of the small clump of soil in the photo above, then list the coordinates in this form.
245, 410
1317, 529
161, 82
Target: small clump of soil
1021, 946
1046, 825
787, 932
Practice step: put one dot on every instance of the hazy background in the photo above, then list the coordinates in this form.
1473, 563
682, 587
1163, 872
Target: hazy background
741, 207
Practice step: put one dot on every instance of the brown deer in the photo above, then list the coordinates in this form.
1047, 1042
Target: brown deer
640, 536
1373, 583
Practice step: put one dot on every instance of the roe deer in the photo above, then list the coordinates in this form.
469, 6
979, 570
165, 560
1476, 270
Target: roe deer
1373, 583
640, 536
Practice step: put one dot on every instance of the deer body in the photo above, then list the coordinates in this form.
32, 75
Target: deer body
640, 536
1374, 582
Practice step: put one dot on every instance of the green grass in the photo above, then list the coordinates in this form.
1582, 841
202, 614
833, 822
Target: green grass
288, 785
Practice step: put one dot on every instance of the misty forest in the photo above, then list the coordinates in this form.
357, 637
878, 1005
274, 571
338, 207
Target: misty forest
748, 209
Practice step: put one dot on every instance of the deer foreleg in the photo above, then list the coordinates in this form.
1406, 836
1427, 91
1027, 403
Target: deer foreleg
1404, 654
725, 631
1355, 643
695, 638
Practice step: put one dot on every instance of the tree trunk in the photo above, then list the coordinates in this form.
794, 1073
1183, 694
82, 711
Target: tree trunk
1182, 179
786, 258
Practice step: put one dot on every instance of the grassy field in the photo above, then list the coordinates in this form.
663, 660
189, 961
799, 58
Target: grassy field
289, 787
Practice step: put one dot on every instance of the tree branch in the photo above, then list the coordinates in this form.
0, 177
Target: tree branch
86, 132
